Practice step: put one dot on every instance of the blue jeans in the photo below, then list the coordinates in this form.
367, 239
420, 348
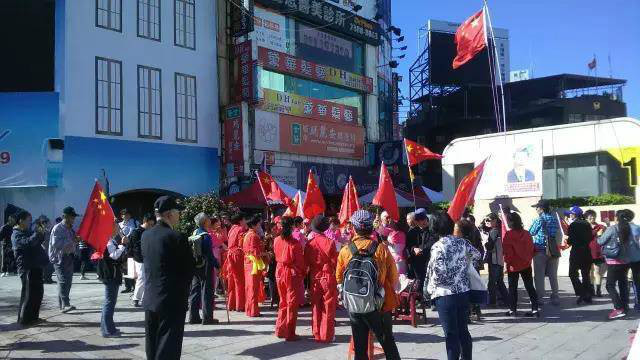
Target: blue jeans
64, 272
107, 326
453, 311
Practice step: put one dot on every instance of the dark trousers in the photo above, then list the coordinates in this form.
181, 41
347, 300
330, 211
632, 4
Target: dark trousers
273, 288
453, 312
85, 260
201, 295
378, 323
7, 257
496, 282
164, 332
527, 279
617, 275
582, 288
419, 272
107, 326
30, 296
47, 272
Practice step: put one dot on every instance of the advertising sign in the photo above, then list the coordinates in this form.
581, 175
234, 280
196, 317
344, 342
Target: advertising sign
311, 137
244, 83
287, 175
270, 30
298, 135
30, 151
233, 134
288, 64
330, 16
391, 152
512, 171
241, 23
325, 48
333, 178
292, 104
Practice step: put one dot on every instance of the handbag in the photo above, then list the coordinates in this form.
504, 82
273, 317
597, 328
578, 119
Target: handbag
478, 290
611, 250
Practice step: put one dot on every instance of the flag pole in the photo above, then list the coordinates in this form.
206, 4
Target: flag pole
413, 190
497, 61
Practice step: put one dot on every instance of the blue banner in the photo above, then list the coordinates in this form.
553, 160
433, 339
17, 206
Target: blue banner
30, 151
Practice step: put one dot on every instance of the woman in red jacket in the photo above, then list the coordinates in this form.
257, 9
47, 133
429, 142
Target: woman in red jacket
253, 267
518, 252
289, 277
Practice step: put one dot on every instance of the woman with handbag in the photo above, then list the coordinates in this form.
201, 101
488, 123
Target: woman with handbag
618, 242
518, 254
450, 286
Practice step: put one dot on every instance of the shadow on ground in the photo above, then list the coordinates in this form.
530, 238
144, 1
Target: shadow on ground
61, 346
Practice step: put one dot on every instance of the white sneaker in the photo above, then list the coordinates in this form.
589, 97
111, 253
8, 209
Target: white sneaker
4, 274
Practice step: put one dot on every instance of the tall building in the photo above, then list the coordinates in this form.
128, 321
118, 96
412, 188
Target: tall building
311, 90
123, 91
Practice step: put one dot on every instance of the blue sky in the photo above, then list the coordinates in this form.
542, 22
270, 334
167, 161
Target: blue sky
557, 36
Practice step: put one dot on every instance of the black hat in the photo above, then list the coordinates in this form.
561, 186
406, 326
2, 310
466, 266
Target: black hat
69, 211
543, 204
166, 203
320, 224
420, 214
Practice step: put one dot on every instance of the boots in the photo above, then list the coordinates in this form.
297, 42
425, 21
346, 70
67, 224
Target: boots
598, 290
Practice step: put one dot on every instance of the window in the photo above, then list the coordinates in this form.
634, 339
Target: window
184, 20
149, 103
149, 19
108, 96
574, 118
109, 14
460, 171
186, 109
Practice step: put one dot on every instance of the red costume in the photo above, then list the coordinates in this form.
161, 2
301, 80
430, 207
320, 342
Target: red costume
289, 277
252, 246
235, 270
321, 257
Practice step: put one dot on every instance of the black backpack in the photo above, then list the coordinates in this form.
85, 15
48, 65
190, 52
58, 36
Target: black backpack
361, 292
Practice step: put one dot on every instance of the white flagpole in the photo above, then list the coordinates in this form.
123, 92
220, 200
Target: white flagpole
492, 78
497, 61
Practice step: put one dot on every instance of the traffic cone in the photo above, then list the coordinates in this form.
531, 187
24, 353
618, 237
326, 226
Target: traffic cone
371, 349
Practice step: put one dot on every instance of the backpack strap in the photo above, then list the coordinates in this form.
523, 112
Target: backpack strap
372, 248
353, 248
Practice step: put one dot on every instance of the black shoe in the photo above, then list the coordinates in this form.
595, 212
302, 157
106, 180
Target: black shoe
599, 291
580, 300
534, 313
510, 313
210, 322
195, 321
588, 300
136, 303
126, 291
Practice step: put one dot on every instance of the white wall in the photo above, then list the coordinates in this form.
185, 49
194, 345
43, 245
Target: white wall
75, 79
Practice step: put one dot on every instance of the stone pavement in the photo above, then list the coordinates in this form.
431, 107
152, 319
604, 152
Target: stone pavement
564, 332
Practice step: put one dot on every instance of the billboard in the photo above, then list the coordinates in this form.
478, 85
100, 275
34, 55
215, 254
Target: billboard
297, 105
233, 144
270, 30
512, 171
298, 135
30, 150
244, 90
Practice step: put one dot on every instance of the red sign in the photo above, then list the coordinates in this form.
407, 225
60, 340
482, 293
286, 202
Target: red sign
296, 105
233, 138
244, 83
312, 137
288, 64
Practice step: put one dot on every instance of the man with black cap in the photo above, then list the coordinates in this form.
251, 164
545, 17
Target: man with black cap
61, 253
168, 265
546, 259
419, 243
321, 257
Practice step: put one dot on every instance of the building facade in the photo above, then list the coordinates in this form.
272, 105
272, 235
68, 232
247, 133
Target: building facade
311, 89
132, 103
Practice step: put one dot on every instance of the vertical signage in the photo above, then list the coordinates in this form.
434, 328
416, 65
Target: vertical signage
233, 139
244, 83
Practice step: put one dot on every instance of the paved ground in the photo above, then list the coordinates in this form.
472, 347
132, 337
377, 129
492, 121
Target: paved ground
564, 332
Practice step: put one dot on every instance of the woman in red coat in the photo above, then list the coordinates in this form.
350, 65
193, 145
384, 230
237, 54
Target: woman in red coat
518, 250
289, 277
254, 267
321, 258
234, 266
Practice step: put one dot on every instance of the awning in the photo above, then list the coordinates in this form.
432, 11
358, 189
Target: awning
253, 198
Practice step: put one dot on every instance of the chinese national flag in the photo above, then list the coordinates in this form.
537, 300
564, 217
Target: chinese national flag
271, 190
470, 39
386, 194
314, 201
295, 207
465, 193
97, 224
349, 202
503, 218
417, 153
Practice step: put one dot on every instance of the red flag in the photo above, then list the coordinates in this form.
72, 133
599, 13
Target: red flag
271, 190
417, 153
466, 191
295, 207
97, 224
564, 229
470, 38
314, 201
349, 202
503, 219
386, 194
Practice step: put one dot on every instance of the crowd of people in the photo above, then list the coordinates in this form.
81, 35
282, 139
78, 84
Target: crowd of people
361, 265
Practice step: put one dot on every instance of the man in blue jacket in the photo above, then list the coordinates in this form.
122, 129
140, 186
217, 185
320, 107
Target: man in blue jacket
547, 256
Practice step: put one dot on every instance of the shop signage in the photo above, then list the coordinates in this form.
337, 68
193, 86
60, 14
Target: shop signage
330, 16
292, 104
244, 83
288, 64
270, 30
233, 138
241, 22
325, 42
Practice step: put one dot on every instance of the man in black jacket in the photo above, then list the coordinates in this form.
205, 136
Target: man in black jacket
168, 266
135, 244
419, 243
579, 237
